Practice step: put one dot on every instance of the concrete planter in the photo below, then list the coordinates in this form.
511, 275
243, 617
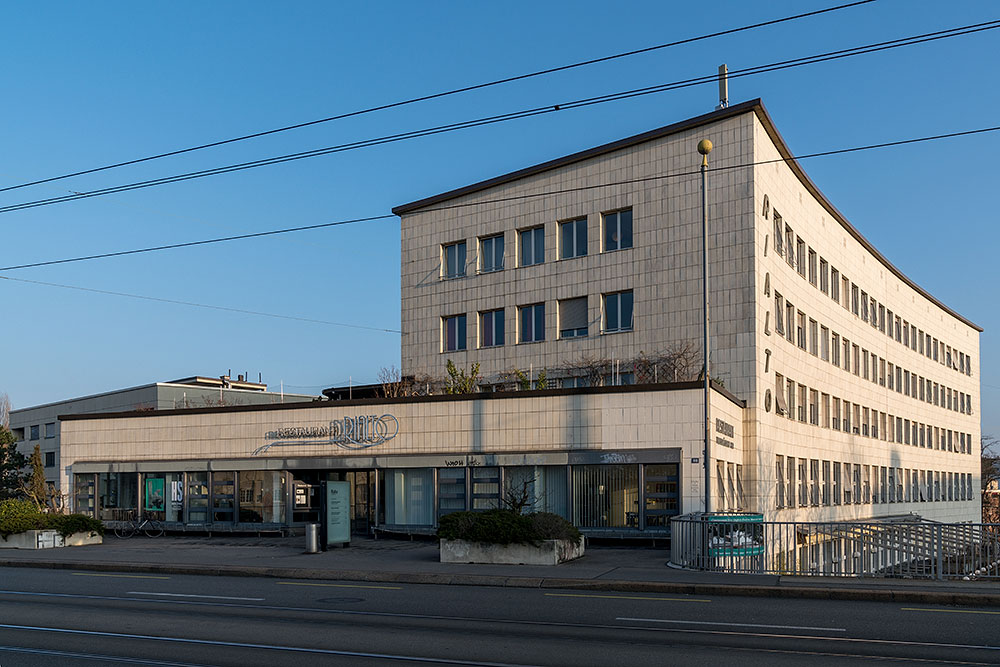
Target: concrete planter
48, 539
547, 552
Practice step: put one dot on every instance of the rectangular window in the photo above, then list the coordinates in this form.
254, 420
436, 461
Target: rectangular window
814, 407
454, 333
618, 311
836, 483
800, 330
812, 267
803, 483
855, 301
491, 328
824, 343
573, 238
857, 358
779, 314
835, 350
864, 306
824, 276
814, 482
532, 244
847, 355
790, 319
845, 286
790, 246
835, 284
454, 260
33, 431
50, 459
532, 320
618, 230
779, 231
491, 253
800, 256
906, 334
835, 414
50, 430
573, 318
825, 411
790, 479
779, 481
791, 399
813, 337
881, 318
802, 403
864, 363
848, 496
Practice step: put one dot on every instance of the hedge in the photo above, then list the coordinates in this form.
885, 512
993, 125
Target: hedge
18, 516
506, 527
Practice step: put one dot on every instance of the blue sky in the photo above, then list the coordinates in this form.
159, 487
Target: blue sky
91, 84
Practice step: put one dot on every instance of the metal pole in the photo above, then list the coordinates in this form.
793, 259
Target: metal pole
705, 147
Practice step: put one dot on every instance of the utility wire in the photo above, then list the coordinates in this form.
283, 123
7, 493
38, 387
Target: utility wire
439, 95
526, 113
547, 193
201, 305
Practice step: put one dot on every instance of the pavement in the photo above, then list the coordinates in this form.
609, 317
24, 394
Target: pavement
602, 568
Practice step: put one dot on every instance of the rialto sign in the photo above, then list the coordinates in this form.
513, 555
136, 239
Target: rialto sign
359, 432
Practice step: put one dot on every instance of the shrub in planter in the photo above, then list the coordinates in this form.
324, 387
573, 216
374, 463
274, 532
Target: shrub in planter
67, 524
18, 516
502, 526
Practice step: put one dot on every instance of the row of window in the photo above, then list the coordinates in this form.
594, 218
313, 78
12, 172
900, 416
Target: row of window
819, 341
839, 288
34, 431
616, 227
616, 316
799, 402
814, 483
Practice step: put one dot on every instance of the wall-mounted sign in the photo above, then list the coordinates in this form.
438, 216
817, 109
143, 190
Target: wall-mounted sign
726, 429
358, 432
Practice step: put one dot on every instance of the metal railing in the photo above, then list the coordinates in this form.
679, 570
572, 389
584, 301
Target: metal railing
904, 547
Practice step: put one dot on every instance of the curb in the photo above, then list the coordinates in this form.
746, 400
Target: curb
742, 590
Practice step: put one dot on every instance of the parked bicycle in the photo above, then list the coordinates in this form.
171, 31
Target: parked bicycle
145, 525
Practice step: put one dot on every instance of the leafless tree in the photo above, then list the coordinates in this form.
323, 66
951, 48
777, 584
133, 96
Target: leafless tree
394, 384
4, 410
990, 468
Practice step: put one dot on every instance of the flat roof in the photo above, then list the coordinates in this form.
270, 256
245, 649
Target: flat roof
756, 106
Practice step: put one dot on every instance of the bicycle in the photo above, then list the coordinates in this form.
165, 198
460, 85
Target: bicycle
147, 526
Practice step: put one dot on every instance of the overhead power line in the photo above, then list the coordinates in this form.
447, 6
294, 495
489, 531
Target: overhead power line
201, 305
525, 113
547, 193
438, 95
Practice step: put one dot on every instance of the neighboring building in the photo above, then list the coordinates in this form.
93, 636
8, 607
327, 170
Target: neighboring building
849, 391
39, 424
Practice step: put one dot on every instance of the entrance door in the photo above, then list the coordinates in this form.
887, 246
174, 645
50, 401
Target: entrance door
661, 495
362, 500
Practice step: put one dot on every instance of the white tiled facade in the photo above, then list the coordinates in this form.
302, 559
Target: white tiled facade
931, 456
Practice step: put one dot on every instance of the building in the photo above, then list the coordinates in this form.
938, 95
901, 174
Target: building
39, 424
845, 390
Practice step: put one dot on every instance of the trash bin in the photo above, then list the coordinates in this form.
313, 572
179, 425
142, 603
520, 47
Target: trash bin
312, 538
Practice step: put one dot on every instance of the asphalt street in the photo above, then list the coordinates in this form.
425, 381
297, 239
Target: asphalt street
76, 618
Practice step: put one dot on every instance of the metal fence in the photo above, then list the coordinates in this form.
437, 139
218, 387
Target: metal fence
904, 547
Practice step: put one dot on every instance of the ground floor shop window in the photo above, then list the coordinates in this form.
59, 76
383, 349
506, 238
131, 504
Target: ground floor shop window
223, 496
662, 495
606, 496
451, 490
407, 497
485, 488
542, 488
262, 496
118, 495
83, 494
197, 497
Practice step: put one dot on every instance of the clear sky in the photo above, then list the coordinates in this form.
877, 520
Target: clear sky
86, 84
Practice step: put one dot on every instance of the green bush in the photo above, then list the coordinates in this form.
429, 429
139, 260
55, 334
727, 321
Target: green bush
67, 524
506, 527
18, 516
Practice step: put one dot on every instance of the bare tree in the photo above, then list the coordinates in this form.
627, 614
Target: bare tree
4, 411
990, 468
394, 384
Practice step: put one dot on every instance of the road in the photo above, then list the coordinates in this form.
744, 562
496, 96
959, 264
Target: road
70, 619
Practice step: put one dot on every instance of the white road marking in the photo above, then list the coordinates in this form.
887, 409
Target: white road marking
734, 625
188, 595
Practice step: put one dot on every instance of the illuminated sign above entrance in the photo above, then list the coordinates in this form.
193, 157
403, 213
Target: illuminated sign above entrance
359, 432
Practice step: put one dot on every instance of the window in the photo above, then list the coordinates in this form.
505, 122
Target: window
835, 284
789, 245
814, 407
617, 230
50, 430
573, 318
835, 350
779, 480
824, 343
790, 319
790, 479
779, 314
491, 328
454, 333
824, 276
881, 318
845, 287
532, 323
454, 260
779, 230
50, 459
803, 483
532, 242
814, 482
864, 306
835, 413
618, 311
855, 301
800, 330
800, 256
836, 482
802, 403
813, 337
812, 267
573, 238
34, 432
491, 254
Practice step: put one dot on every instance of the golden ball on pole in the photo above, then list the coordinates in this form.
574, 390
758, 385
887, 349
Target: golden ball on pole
704, 146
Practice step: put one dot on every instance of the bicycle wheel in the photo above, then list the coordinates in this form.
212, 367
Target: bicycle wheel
125, 530
152, 529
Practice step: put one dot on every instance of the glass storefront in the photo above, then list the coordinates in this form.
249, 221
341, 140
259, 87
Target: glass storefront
606, 496
262, 497
407, 497
118, 495
541, 488
197, 497
451, 490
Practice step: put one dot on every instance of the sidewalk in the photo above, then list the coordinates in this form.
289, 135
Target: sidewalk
603, 568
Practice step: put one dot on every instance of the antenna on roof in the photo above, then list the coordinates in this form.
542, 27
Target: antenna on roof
723, 87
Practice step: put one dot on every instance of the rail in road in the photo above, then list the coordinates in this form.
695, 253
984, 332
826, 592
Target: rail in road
86, 618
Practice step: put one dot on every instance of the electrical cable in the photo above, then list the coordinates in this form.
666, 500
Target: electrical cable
201, 305
547, 193
438, 95
760, 69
